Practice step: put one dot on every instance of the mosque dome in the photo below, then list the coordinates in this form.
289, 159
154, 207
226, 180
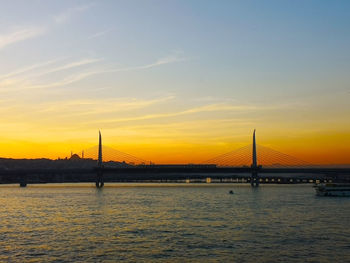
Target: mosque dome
75, 157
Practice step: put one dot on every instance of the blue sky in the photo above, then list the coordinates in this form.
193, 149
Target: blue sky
132, 68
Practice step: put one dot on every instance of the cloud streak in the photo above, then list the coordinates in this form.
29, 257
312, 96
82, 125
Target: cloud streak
80, 76
201, 109
20, 34
14, 85
162, 61
71, 65
100, 106
65, 16
66, 81
99, 34
29, 68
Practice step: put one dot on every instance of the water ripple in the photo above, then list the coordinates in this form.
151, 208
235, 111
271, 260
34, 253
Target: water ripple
172, 224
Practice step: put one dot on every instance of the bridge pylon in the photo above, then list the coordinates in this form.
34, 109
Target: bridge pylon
99, 175
254, 179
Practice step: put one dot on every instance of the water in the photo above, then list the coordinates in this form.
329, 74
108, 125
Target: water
172, 223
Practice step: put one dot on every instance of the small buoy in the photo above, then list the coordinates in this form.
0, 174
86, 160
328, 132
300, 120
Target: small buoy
231, 192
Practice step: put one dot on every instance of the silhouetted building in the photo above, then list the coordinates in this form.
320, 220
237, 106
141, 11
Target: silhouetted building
75, 157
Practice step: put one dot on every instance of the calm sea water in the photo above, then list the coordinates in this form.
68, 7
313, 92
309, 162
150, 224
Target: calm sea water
172, 223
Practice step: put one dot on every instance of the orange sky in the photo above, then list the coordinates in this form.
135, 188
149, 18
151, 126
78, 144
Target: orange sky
316, 148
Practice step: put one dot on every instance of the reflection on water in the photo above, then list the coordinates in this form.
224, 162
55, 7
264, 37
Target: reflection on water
157, 222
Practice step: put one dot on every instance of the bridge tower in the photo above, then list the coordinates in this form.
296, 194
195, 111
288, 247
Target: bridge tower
254, 179
99, 176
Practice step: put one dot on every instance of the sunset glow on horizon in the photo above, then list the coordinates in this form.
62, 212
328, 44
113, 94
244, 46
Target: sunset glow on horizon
175, 81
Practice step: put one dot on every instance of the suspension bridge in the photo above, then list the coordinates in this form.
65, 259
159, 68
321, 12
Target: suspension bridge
252, 164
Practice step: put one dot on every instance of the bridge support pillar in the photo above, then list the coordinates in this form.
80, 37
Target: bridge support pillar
23, 181
254, 179
99, 180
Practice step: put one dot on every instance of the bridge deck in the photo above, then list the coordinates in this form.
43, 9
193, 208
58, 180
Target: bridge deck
170, 174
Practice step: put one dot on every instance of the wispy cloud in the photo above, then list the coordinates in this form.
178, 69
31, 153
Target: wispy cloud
174, 58
27, 85
76, 110
65, 16
29, 68
214, 99
22, 79
99, 34
66, 81
201, 109
81, 76
15, 85
97, 106
162, 61
20, 34
71, 65
189, 125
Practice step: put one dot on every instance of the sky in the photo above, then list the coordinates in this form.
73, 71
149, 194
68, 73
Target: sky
175, 81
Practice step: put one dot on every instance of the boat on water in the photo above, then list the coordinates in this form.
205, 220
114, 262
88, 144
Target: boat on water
333, 189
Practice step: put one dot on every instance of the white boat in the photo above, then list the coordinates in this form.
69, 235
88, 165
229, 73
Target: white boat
333, 189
